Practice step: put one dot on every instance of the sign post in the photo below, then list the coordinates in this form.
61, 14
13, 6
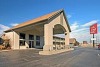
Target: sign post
93, 41
93, 30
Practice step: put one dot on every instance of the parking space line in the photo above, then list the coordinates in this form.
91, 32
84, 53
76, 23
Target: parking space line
98, 54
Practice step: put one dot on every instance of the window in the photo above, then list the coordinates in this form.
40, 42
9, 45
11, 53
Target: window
1, 41
31, 37
22, 43
37, 37
37, 40
37, 43
22, 36
22, 39
54, 43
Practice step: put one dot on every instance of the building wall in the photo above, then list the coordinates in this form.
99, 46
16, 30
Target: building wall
35, 33
65, 25
67, 36
57, 20
49, 28
14, 39
10, 36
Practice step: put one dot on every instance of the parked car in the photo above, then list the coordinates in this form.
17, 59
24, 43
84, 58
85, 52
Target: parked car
99, 46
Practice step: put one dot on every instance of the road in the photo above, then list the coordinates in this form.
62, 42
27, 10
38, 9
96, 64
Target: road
80, 57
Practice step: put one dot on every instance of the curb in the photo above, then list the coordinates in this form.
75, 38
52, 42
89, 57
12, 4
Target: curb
4, 50
54, 52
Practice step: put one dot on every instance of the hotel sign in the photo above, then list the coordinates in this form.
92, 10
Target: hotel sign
93, 38
93, 29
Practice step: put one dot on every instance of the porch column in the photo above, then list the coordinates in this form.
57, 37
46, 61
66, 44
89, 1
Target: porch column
67, 40
48, 38
27, 41
16, 40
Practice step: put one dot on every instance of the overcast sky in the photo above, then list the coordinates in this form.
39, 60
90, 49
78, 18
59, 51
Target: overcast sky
80, 14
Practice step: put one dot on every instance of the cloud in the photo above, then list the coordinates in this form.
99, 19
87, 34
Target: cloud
14, 24
90, 23
3, 28
82, 32
74, 26
69, 16
81, 29
79, 32
98, 25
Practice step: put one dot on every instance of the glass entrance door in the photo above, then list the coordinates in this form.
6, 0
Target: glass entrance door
31, 44
31, 41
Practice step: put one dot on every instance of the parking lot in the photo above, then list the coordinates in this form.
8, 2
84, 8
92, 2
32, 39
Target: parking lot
80, 57
15, 58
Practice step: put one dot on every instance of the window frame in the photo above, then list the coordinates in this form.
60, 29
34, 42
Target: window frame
22, 39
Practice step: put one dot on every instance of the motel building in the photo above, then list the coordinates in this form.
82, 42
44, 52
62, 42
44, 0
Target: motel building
39, 33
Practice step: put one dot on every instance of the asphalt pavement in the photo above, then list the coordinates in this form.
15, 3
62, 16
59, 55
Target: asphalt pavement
80, 57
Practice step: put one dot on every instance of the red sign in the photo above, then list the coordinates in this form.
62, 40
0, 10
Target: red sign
93, 29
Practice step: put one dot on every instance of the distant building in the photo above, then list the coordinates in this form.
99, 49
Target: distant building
73, 41
85, 42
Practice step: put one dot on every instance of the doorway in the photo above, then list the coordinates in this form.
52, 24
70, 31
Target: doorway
31, 44
31, 41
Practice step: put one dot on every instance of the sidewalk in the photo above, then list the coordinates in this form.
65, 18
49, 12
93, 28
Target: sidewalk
4, 50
